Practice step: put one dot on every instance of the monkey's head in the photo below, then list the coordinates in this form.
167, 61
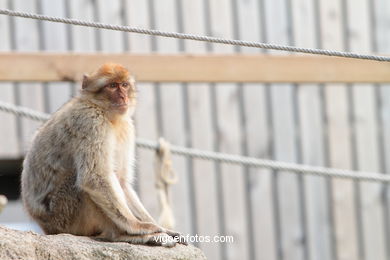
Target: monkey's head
111, 87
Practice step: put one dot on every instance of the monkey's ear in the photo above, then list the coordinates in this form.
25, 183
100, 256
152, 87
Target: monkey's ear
85, 84
132, 80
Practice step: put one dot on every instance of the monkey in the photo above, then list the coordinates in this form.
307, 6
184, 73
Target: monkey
77, 175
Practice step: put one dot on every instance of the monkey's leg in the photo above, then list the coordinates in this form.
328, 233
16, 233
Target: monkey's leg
91, 221
60, 207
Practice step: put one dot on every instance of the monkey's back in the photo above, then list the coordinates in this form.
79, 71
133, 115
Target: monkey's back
49, 171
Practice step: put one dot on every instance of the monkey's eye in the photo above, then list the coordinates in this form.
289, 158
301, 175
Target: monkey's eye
125, 84
112, 85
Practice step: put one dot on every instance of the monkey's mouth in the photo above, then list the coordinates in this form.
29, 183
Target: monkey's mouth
120, 105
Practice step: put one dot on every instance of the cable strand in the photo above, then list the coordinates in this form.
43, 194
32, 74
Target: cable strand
187, 36
226, 158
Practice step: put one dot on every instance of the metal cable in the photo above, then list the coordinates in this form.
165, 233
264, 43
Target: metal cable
187, 36
226, 158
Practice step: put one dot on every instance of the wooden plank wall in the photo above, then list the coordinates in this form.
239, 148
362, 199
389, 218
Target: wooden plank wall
380, 42
363, 128
313, 149
255, 139
9, 146
272, 215
197, 97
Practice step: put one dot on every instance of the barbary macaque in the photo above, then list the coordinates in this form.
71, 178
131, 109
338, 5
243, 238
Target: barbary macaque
78, 172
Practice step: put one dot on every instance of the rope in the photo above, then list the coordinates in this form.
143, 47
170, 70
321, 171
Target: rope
166, 172
270, 164
164, 178
24, 112
187, 36
229, 158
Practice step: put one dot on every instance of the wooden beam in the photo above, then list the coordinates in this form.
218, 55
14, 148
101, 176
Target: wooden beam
196, 68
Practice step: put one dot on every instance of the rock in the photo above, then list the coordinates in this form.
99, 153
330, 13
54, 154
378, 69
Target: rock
29, 245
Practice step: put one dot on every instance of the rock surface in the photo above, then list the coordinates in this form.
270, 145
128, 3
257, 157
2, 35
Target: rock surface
29, 245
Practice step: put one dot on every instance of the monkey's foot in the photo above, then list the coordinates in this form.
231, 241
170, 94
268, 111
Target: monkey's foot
157, 239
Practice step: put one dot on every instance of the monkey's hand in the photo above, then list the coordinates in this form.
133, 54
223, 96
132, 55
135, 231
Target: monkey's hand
161, 239
177, 236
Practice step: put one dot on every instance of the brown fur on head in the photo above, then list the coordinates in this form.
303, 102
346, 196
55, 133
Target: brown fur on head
111, 87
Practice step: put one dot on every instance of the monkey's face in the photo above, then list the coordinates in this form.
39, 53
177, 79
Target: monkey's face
118, 95
112, 88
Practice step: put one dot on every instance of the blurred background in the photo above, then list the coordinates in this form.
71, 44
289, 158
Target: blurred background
271, 215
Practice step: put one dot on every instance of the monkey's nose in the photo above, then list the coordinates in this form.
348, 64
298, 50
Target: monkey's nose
121, 96
123, 99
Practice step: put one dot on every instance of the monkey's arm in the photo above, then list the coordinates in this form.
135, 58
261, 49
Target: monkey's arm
126, 178
141, 213
95, 176
135, 205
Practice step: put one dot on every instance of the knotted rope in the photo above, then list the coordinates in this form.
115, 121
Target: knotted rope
165, 176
